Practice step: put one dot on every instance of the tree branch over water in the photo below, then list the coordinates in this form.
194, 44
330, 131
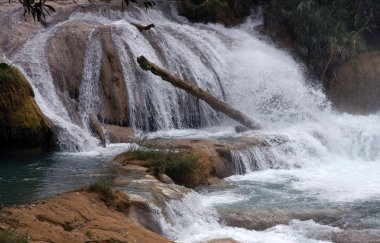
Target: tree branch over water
39, 9
215, 103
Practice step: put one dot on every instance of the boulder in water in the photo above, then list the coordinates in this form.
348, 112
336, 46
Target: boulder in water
118, 134
165, 179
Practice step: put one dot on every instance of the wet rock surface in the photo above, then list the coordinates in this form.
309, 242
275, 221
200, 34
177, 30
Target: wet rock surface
119, 134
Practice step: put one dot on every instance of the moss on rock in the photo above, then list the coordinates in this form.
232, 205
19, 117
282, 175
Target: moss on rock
22, 124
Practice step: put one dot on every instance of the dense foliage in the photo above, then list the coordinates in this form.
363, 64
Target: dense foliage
327, 32
228, 12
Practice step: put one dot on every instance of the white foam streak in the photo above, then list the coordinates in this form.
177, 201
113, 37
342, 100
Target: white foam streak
193, 220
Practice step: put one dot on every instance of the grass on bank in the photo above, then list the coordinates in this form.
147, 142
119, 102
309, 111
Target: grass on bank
104, 189
177, 165
9, 235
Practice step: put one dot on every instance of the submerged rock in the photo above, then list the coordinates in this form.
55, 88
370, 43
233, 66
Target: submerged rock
253, 220
354, 236
22, 124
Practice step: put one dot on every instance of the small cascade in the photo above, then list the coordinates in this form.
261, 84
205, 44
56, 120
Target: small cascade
187, 216
254, 158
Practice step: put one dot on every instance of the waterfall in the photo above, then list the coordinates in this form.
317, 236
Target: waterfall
312, 154
231, 64
31, 58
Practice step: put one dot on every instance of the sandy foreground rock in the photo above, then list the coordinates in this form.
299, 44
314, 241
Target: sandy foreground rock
77, 216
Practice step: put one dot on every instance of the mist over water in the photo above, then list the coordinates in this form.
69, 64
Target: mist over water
317, 159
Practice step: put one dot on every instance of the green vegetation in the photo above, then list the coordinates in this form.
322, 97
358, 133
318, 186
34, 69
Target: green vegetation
104, 189
327, 32
9, 235
178, 166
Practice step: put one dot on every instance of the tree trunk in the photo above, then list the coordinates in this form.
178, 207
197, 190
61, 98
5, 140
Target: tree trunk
215, 103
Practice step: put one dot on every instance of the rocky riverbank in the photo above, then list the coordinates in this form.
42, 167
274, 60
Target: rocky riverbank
121, 210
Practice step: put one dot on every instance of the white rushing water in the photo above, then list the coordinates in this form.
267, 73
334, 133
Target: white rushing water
315, 158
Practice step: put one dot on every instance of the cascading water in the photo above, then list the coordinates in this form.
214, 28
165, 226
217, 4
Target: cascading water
315, 158
32, 61
88, 101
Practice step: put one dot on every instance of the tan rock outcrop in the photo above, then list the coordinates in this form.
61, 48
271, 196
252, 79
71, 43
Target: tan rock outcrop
66, 56
214, 157
355, 85
67, 52
114, 94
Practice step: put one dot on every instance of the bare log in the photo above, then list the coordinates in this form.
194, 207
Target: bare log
215, 103
142, 28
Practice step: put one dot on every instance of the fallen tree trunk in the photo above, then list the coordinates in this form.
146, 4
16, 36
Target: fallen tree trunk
215, 103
